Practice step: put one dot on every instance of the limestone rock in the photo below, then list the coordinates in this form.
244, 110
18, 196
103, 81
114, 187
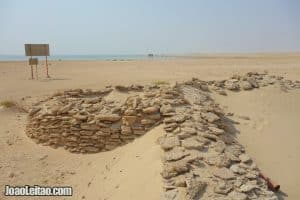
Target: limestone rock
173, 169
244, 158
237, 196
232, 85
195, 188
222, 187
167, 143
174, 154
108, 117
245, 85
248, 187
223, 173
150, 110
210, 117
192, 143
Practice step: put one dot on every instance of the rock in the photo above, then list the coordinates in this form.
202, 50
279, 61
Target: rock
121, 88
195, 188
80, 117
91, 149
210, 117
129, 120
253, 82
173, 169
209, 136
221, 92
130, 112
180, 181
252, 175
164, 109
170, 127
174, 154
237, 169
189, 130
34, 110
216, 131
223, 173
170, 195
222, 187
220, 146
245, 85
219, 160
192, 143
248, 187
244, 158
237, 195
147, 122
231, 85
150, 110
167, 143
108, 117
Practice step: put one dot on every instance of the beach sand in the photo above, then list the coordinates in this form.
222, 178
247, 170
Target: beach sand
133, 171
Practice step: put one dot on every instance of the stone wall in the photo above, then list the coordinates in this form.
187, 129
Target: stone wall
86, 122
201, 160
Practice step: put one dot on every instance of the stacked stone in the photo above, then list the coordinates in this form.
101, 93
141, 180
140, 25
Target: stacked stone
201, 157
202, 160
250, 81
84, 122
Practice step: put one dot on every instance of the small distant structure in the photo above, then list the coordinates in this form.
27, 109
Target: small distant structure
150, 55
37, 50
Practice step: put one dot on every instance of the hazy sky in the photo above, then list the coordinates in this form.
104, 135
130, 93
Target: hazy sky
143, 26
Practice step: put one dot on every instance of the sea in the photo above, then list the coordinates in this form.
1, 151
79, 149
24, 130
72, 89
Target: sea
83, 57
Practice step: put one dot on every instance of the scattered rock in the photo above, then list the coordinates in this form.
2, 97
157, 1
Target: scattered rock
167, 143
245, 85
244, 158
223, 173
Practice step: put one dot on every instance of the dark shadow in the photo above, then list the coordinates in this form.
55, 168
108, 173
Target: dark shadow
229, 126
54, 79
281, 195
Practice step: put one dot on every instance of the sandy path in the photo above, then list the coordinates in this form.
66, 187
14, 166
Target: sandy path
124, 173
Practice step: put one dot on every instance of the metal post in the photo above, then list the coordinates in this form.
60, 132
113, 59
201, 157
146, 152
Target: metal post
31, 70
36, 72
47, 68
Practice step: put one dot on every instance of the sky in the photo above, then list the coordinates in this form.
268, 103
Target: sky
152, 26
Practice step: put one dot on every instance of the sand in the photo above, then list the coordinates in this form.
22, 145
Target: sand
131, 171
271, 136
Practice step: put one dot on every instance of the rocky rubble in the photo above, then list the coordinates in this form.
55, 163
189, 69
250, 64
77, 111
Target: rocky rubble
249, 81
201, 160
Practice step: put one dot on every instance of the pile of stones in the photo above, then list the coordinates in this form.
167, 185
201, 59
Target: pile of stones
249, 81
201, 160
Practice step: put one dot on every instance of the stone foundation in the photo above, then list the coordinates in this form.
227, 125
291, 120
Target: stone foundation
202, 159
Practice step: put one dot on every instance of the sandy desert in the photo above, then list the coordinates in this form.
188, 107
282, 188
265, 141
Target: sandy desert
203, 90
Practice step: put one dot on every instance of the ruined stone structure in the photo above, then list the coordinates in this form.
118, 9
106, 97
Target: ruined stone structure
202, 159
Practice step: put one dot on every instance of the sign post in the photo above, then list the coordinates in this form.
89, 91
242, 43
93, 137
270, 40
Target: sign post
33, 61
38, 50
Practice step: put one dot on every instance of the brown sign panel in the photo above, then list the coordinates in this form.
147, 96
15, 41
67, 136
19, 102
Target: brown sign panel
33, 61
37, 49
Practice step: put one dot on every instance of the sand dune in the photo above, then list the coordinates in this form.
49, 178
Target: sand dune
271, 135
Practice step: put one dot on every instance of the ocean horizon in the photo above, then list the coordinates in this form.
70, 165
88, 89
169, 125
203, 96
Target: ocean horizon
81, 57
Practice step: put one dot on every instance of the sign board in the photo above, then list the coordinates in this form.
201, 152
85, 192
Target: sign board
33, 61
37, 49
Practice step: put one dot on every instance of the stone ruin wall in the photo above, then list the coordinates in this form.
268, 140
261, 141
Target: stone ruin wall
85, 122
201, 159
